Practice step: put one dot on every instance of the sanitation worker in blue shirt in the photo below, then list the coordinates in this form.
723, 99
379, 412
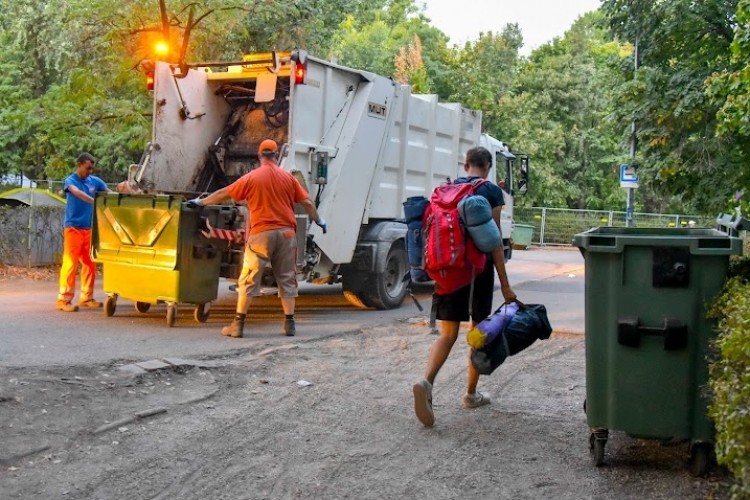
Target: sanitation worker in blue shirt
80, 189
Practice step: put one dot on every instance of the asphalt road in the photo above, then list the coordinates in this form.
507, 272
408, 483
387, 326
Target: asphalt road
34, 334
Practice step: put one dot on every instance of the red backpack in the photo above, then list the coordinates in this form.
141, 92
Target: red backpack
452, 260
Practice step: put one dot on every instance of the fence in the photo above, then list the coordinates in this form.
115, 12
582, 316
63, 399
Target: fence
558, 226
31, 236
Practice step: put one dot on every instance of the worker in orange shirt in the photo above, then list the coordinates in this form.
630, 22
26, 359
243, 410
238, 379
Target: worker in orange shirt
270, 193
80, 189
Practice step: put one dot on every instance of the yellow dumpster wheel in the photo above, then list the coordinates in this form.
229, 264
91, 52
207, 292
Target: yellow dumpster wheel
171, 314
110, 304
142, 307
201, 313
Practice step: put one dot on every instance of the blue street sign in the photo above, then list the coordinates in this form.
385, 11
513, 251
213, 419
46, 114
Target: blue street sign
628, 177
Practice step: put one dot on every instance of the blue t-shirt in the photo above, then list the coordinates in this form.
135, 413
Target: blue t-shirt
78, 213
489, 190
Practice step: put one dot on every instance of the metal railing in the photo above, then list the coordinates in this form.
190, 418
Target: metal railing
558, 226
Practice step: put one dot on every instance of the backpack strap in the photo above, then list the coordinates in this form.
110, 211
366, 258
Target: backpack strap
476, 182
471, 296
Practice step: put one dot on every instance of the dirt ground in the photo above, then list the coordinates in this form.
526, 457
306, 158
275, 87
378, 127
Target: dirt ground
252, 427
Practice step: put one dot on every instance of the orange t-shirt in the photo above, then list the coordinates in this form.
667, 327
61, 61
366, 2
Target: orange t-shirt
271, 193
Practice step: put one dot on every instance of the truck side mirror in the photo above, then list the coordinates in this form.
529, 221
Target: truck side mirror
523, 175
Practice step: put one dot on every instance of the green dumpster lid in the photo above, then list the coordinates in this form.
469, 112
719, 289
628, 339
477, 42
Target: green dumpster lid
700, 240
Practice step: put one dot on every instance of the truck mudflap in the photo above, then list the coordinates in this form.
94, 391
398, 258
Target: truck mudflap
375, 277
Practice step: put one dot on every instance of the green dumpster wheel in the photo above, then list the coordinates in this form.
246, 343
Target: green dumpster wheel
110, 304
171, 314
699, 456
597, 442
200, 313
142, 307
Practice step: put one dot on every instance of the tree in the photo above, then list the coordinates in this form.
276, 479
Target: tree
680, 44
374, 41
410, 67
557, 111
485, 72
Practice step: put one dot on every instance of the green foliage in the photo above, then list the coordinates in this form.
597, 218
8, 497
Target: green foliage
559, 111
680, 44
485, 73
76, 92
374, 41
730, 378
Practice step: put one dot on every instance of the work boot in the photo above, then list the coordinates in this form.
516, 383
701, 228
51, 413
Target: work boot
235, 328
65, 306
289, 327
91, 304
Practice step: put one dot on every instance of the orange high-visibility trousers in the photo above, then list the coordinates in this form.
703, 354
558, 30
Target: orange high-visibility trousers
76, 248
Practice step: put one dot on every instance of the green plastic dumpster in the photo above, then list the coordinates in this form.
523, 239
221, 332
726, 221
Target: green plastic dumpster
152, 251
647, 336
521, 236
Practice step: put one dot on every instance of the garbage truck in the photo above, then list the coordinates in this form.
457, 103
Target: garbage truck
360, 143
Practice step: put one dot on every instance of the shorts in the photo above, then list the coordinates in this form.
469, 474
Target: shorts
277, 247
455, 306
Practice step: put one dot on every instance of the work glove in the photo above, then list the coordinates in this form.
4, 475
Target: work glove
322, 223
195, 203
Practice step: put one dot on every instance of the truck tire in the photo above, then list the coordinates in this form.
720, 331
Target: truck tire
387, 290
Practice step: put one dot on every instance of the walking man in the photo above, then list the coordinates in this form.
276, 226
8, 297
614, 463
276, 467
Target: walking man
270, 193
454, 307
80, 189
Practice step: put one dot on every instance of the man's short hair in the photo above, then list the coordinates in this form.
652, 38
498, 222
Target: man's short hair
479, 157
84, 157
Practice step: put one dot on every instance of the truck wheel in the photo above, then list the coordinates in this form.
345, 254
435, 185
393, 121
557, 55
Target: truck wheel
386, 290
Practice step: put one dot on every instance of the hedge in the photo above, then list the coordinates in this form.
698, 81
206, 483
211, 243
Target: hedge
730, 376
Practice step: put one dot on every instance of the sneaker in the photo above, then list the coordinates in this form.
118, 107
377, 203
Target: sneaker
289, 328
91, 303
423, 403
233, 330
65, 306
475, 400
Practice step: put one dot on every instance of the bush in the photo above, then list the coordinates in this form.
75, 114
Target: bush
730, 376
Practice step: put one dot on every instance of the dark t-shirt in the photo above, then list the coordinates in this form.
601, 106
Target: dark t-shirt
489, 190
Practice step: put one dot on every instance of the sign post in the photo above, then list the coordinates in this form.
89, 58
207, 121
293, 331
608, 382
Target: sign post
629, 181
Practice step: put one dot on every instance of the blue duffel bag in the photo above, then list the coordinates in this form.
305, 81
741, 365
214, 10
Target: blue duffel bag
528, 324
